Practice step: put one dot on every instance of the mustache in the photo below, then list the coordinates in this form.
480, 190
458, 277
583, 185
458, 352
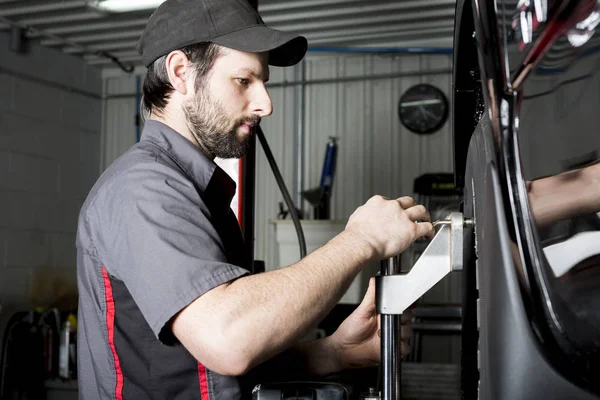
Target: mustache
253, 121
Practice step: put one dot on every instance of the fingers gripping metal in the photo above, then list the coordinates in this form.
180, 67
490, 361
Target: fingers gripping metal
395, 293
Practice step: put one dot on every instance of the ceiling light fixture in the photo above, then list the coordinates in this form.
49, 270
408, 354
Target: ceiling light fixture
125, 5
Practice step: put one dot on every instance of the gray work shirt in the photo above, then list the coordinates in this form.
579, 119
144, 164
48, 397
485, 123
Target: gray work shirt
155, 233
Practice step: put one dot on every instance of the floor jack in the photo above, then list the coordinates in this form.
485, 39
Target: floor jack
396, 292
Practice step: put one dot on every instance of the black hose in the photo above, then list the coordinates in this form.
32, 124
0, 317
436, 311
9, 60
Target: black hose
284, 191
14, 321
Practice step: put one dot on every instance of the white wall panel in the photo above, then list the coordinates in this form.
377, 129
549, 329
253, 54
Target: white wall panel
119, 130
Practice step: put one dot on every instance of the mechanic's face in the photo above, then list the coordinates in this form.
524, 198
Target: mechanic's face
226, 108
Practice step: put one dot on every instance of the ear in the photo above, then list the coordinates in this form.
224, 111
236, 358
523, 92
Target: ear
178, 68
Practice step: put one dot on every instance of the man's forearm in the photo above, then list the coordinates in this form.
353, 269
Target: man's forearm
304, 361
241, 324
320, 357
280, 306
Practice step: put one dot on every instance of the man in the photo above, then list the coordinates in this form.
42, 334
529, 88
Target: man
167, 308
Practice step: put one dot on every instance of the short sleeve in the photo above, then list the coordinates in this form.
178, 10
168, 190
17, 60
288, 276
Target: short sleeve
159, 238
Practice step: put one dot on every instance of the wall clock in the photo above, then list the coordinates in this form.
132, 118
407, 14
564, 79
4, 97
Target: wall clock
423, 109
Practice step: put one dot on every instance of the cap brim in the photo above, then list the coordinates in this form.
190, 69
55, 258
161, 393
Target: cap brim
285, 49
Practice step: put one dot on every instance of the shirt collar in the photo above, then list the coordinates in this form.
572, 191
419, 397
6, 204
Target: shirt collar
204, 172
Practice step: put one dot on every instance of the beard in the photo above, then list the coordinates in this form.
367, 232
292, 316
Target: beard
215, 131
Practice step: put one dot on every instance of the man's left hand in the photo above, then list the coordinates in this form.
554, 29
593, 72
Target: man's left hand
357, 340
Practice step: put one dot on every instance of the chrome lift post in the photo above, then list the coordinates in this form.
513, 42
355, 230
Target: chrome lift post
396, 292
390, 340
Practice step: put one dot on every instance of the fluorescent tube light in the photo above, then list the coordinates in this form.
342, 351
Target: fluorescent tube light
126, 5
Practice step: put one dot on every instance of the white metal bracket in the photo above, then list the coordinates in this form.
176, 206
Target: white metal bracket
395, 293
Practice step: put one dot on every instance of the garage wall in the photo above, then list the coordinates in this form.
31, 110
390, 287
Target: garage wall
50, 123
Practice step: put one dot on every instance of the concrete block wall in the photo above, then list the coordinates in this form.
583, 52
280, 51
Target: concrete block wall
50, 124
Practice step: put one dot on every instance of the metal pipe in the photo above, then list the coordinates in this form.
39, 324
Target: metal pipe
16, 39
420, 34
104, 131
346, 79
47, 83
122, 55
390, 342
372, 29
334, 80
94, 48
299, 137
96, 37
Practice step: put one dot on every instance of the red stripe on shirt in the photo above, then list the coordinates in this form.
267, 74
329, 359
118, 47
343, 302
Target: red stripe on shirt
203, 382
110, 325
240, 192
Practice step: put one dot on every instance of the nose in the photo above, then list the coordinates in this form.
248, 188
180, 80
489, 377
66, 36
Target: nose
261, 102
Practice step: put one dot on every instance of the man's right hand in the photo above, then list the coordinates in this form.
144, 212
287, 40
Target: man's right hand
388, 227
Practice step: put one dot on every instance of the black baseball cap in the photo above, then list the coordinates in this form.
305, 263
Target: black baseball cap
230, 23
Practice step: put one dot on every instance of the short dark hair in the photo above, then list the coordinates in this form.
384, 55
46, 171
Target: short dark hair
157, 88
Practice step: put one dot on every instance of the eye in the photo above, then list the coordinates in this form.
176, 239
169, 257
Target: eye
243, 81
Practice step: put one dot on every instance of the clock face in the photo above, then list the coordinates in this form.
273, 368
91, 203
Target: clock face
423, 109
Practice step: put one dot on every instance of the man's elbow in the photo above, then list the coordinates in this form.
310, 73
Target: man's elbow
226, 360
232, 365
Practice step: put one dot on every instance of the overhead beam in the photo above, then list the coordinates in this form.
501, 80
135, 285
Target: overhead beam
441, 41
331, 36
431, 18
397, 18
440, 37
98, 37
308, 4
97, 26
61, 18
299, 22
40, 7
74, 47
380, 9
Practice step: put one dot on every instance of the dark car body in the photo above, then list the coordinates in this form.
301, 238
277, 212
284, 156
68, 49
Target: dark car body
526, 126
